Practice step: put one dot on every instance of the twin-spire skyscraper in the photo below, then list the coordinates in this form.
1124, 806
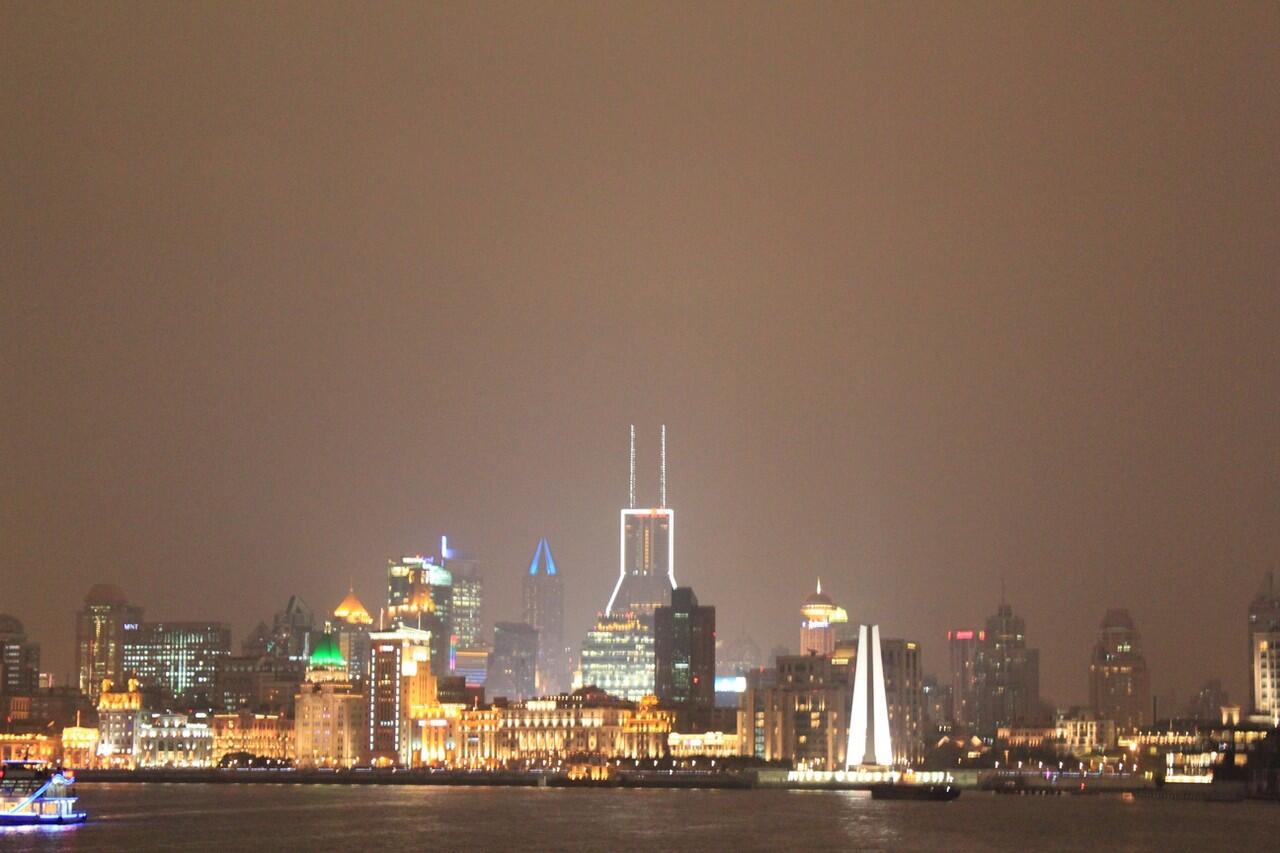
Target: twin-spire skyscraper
618, 653
646, 545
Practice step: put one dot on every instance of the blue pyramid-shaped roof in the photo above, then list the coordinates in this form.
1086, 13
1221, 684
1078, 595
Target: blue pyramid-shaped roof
542, 558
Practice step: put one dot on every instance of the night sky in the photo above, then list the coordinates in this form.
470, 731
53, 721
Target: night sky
928, 295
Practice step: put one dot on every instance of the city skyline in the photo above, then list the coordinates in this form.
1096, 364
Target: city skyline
931, 304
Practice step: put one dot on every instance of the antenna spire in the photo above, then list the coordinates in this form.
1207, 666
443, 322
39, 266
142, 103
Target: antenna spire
662, 479
632, 503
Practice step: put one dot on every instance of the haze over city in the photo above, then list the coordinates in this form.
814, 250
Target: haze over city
929, 304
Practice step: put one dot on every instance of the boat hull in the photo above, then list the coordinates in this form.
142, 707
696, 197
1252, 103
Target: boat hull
936, 793
41, 820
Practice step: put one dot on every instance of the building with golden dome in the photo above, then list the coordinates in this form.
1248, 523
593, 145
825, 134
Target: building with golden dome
820, 622
351, 625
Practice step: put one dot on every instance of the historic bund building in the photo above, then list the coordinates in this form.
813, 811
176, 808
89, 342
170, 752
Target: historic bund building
330, 727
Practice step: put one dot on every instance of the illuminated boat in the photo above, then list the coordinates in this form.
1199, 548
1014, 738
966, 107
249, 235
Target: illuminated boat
32, 793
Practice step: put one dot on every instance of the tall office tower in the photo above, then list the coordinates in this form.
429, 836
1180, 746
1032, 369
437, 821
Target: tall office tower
180, 659
513, 663
617, 656
1264, 651
19, 661
420, 595
351, 626
684, 647
400, 680
963, 645
818, 618
331, 717
618, 651
544, 610
1008, 673
468, 597
100, 637
1119, 686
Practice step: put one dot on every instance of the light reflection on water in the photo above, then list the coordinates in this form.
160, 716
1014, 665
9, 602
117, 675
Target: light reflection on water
293, 817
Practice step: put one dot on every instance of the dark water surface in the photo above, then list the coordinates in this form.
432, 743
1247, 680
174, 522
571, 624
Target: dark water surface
133, 817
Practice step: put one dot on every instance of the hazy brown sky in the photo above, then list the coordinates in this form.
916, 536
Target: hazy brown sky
928, 295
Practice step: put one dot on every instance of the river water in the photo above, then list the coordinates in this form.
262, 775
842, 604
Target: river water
240, 817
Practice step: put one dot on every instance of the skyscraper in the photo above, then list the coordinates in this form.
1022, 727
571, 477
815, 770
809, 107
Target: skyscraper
1264, 651
618, 651
420, 595
178, 658
513, 663
962, 646
468, 597
1119, 686
646, 570
400, 678
544, 610
684, 645
100, 637
1008, 673
19, 661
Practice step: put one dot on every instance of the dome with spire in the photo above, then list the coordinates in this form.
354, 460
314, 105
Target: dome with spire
819, 598
352, 611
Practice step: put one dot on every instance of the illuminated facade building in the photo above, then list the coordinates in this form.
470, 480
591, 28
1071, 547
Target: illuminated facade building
514, 661
820, 620
120, 720
19, 661
1264, 652
351, 626
260, 735
962, 649
179, 658
79, 746
100, 626
703, 744
586, 726
420, 596
1008, 674
684, 648
1119, 686
175, 740
544, 609
618, 656
331, 726
29, 747
400, 683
